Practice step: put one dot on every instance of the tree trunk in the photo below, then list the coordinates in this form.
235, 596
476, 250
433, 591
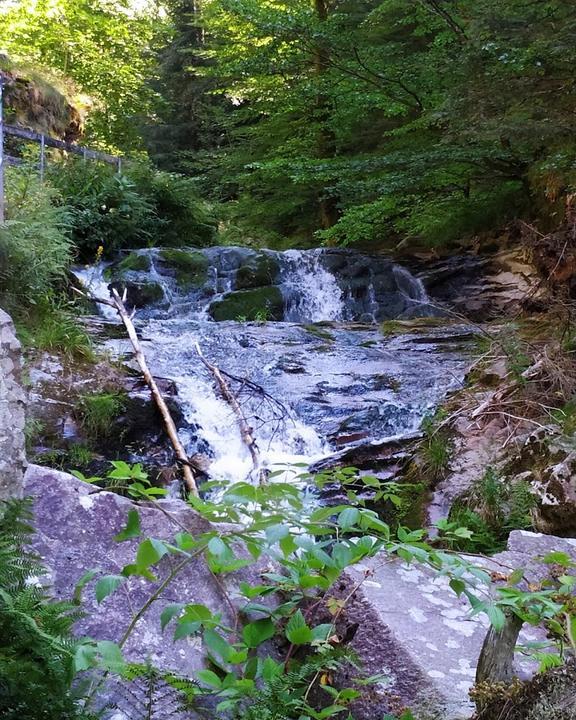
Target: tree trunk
326, 143
495, 663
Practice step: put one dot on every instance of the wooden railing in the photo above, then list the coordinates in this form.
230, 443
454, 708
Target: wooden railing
45, 141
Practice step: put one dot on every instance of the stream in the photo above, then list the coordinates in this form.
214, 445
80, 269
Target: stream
333, 379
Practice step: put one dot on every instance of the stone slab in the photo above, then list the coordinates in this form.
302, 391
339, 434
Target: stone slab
12, 412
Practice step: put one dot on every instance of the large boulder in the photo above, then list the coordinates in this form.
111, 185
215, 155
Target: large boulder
416, 632
75, 526
258, 271
189, 267
264, 302
12, 417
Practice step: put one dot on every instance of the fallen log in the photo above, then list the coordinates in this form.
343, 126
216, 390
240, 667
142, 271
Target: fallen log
118, 304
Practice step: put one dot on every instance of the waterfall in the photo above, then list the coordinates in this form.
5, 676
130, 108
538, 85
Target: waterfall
311, 293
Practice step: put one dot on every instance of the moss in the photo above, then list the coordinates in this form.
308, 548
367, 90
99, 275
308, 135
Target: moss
257, 272
319, 332
190, 266
249, 304
135, 262
402, 327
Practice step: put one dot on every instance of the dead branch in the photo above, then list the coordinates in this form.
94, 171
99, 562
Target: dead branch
246, 432
118, 304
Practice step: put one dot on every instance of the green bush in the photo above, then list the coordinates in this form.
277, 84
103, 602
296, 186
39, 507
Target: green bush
139, 208
35, 241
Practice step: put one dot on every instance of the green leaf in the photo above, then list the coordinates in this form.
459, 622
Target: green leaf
107, 585
217, 547
132, 529
274, 533
496, 616
458, 586
297, 631
348, 518
255, 633
216, 644
169, 613
81, 584
110, 656
209, 678
149, 552
85, 656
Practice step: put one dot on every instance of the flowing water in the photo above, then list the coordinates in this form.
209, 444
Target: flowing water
330, 377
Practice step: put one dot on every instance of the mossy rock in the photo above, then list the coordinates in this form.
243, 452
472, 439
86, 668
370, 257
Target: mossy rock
139, 294
190, 266
259, 271
134, 262
131, 263
249, 304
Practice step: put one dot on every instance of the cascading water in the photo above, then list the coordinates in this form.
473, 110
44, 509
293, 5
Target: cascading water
338, 383
311, 293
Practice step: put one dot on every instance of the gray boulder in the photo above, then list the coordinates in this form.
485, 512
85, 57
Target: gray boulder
12, 406
419, 634
75, 526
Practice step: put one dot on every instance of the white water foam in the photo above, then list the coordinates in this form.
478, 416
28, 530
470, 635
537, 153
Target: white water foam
312, 293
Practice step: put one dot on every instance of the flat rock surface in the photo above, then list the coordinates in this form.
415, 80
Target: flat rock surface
75, 529
419, 634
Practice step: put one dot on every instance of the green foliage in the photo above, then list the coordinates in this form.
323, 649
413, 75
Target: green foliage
125, 479
491, 509
436, 448
52, 324
97, 413
36, 646
35, 244
104, 47
140, 208
310, 547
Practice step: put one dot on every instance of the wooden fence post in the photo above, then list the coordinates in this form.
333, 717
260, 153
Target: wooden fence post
42, 158
2, 200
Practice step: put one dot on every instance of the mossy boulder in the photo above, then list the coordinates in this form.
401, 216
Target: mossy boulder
263, 302
190, 267
139, 294
133, 262
259, 271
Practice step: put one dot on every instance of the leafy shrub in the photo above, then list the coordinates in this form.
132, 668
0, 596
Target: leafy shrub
140, 208
35, 244
105, 208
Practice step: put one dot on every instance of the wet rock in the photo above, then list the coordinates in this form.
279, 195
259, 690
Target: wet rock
189, 267
75, 529
12, 405
133, 262
420, 635
547, 460
138, 294
249, 304
259, 271
483, 287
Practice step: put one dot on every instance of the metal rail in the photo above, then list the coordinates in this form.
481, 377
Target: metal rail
45, 141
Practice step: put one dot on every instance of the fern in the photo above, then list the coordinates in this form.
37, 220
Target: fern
36, 645
145, 693
286, 696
